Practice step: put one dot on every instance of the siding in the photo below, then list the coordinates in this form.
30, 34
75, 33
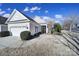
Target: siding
23, 26
32, 27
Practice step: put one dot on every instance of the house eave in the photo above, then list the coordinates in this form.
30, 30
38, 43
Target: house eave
13, 22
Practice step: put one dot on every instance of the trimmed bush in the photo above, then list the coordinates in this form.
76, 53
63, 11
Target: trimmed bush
25, 35
4, 33
57, 27
37, 34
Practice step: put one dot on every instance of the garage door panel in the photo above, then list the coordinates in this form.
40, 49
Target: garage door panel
17, 30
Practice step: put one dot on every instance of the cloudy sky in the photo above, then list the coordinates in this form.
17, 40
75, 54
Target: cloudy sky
45, 11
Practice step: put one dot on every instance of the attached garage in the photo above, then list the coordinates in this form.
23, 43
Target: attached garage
18, 22
17, 30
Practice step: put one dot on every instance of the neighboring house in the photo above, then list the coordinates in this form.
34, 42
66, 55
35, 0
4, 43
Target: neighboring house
3, 26
75, 27
18, 22
44, 25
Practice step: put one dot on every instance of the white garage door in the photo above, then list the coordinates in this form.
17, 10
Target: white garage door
17, 30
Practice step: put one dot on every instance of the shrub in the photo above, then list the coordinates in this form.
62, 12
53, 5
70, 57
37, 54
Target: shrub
4, 33
25, 35
52, 31
57, 27
37, 34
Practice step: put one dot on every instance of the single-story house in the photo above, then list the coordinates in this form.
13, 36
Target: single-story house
18, 22
3, 26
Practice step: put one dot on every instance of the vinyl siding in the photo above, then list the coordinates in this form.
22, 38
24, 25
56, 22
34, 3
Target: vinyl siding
20, 26
32, 28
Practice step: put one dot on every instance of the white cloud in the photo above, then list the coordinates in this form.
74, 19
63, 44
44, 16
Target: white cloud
2, 12
57, 21
43, 19
9, 9
6, 15
47, 18
26, 9
46, 11
35, 8
58, 16
39, 19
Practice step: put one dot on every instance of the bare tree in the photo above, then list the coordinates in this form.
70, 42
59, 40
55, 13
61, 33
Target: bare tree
70, 21
66, 24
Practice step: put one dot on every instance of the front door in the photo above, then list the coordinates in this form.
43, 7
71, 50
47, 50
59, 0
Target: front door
43, 29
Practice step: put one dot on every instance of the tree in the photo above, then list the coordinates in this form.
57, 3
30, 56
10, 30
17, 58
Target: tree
70, 21
67, 24
57, 27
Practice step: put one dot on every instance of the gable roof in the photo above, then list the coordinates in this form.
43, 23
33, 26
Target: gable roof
18, 16
2, 20
29, 18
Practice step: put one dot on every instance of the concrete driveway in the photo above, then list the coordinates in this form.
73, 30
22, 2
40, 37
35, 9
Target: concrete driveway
10, 41
43, 45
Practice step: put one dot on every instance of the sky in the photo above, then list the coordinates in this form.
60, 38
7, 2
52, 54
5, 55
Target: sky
53, 11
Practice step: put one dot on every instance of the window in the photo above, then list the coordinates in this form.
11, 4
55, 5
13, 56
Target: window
36, 29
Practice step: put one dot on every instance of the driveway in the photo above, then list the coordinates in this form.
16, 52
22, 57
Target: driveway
10, 41
43, 45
